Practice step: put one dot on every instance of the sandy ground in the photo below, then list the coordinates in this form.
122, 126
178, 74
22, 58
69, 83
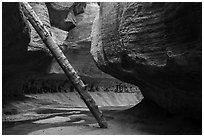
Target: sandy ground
41, 116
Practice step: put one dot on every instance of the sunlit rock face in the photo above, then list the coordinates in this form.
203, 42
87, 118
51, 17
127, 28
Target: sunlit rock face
82, 31
59, 19
63, 14
57, 34
25, 56
70, 25
156, 46
78, 42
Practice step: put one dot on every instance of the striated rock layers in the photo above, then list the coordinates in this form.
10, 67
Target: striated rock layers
156, 46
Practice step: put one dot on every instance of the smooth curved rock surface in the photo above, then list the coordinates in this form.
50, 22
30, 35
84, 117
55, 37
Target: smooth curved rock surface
77, 45
62, 14
82, 31
57, 34
156, 46
25, 55
41, 11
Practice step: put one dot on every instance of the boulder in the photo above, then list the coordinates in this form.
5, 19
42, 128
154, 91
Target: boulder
156, 46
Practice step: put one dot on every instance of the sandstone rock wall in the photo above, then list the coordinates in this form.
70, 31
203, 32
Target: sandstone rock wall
25, 55
63, 14
18, 63
57, 34
77, 44
156, 46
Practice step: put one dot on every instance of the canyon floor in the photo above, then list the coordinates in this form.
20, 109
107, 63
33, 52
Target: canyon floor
65, 113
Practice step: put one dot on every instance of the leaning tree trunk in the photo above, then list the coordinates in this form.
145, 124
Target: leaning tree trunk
64, 63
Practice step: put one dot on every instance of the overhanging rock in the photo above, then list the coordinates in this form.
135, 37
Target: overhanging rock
156, 46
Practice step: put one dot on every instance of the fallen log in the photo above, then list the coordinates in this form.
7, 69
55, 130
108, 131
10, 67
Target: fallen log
64, 63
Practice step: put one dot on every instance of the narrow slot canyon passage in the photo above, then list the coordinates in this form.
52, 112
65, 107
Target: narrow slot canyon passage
141, 61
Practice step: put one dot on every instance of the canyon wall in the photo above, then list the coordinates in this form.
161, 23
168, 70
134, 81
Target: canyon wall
25, 56
77, 43
17, 62
156, 46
